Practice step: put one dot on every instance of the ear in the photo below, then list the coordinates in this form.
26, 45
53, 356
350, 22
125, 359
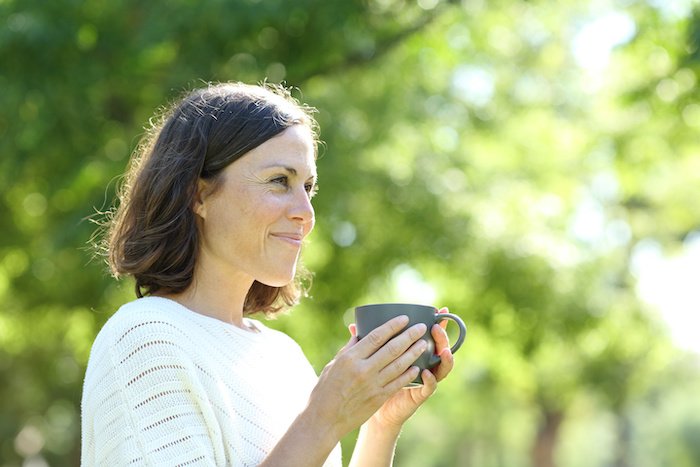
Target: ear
199, 205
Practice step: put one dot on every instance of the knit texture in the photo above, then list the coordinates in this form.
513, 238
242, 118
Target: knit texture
168, 386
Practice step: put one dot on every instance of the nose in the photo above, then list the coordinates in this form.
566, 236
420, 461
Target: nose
302, 210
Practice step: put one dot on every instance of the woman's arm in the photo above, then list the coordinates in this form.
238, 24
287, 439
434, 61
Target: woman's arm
375, 445
351, 388
307, 442
364, 385
378, 436
377, 440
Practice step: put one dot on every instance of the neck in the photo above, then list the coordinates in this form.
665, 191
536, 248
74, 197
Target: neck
216, 295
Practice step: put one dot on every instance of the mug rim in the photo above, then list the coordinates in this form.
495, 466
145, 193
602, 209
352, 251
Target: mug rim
395, 304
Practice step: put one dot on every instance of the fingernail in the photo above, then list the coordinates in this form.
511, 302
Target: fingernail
422, 345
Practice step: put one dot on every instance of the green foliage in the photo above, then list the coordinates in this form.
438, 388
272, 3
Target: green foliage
469, 161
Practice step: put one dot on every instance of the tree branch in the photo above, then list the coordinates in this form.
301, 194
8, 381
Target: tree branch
361, 57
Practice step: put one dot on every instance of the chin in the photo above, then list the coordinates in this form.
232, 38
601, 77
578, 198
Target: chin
278, 280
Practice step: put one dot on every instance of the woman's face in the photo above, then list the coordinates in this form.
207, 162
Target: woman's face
252, 225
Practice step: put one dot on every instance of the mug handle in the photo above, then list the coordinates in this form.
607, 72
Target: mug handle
440, 317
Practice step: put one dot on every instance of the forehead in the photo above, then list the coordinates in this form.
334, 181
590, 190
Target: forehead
292, 148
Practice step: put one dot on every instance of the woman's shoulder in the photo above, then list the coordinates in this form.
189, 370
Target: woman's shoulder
147, 317
146, 333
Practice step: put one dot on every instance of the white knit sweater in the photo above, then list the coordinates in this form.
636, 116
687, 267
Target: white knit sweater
167, 386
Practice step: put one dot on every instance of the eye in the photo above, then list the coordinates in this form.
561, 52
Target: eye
281, 180
311, 189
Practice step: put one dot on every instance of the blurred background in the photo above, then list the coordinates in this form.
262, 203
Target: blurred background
532, 165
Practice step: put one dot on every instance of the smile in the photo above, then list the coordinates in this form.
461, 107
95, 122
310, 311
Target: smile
292, 239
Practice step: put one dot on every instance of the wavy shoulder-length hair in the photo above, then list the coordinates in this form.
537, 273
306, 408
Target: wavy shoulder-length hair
152, 235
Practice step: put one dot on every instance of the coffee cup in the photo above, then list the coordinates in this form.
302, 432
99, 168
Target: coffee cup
369, 317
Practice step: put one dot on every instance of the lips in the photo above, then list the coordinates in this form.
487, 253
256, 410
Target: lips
291, 238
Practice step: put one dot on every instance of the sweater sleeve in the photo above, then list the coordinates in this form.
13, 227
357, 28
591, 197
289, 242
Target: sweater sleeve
144, 401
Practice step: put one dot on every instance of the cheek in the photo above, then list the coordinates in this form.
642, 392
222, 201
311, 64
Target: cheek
261, 210
225, 217
245, 212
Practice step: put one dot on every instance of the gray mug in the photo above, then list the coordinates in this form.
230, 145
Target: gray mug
369, 317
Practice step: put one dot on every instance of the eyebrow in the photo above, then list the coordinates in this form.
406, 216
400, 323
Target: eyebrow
291, 170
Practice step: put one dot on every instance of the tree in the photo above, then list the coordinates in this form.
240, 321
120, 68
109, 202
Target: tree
467, 156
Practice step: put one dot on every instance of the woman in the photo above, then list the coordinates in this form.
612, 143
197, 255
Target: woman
210, 225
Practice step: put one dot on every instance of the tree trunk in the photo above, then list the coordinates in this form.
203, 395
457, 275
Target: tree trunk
546, 440
624, 435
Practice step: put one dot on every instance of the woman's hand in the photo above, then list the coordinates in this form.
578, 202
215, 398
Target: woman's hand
366, 373
404, 403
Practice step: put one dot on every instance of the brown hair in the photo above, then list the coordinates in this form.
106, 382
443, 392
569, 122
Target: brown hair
153, 234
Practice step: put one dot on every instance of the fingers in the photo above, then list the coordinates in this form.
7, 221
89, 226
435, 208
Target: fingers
402, 381
379, 336
404, 361
442, 348
395, 349
429, 384
443, 323
446, 364
352, 342
388, 355
440, 337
